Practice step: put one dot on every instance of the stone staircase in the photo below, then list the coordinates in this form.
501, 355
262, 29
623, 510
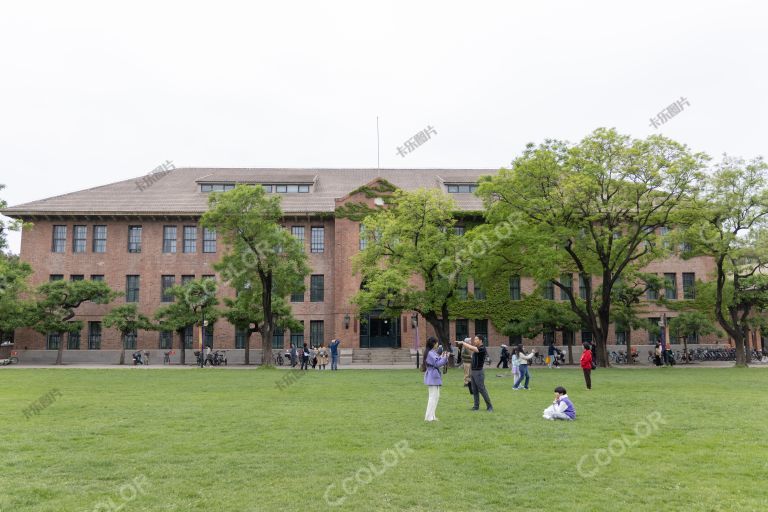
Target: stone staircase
382, 356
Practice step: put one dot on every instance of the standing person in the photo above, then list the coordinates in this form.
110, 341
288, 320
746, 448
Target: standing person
586, 365
334, 346
504, 357
430, 365
305, 358
293, 355
322, 357
466, 359
551, 354
477, 377
515, 365
523, 359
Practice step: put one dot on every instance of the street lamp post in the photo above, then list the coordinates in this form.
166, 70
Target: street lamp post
415, 326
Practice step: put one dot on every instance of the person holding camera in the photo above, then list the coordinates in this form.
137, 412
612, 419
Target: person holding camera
430, 365
523, 358
477, 374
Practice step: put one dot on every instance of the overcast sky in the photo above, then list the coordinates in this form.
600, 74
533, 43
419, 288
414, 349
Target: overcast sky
97, 92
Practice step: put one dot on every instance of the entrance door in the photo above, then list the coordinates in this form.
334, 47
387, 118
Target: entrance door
378, 332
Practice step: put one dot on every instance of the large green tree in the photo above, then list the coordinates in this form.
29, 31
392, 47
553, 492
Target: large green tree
57, 303
728, 220
194, 304
264, 263
552, 317
628, 305
127, 320
13, 283
592, 208
6, 226
413, 259
690, 323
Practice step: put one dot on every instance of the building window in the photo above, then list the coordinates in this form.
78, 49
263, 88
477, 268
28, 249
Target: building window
278, 337
190, 239
241, 334
129, 340
689, 285
76, 277
56, 277
317, 242
584, 280
316, 288
209, 277
477, 290
208, 341
462, 188
166, 339
94, 335
515, 340
586, 336
185, 279
315, 332
169, 239
52, 341
189, 336
292, 189
567, 281
166, 283
297, 336
462, 328
79, 238
97, 277
549, 337
216, 187
481, 329
653, 337
297, 297
209, 240
298, 234
363, 237
132, 288
73, 341
514, 287
693, 338
664, 233
670, 285
134, 239
59, 239
458, 230
621, 336
99, 238
462, 289
549, 291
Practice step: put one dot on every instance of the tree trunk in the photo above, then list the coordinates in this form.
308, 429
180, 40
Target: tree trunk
182, 352
630, 359
685, 350
266, 344
60, 352
248, 347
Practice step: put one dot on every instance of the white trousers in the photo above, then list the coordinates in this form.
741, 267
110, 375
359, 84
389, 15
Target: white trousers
434, 397
551, 414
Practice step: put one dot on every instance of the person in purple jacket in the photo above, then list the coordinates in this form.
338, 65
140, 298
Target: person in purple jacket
430, 365
562, 408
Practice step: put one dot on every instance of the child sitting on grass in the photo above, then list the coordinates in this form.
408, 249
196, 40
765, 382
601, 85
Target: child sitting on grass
562, 408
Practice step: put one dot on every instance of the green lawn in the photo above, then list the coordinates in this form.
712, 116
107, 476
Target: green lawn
224, 440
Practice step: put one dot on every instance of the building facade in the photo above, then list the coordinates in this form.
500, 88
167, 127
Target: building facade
142, 236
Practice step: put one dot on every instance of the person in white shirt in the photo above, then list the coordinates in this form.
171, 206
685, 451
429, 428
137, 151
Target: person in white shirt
523, 358
562, 408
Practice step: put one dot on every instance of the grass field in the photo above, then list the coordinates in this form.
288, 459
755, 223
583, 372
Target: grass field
232, 440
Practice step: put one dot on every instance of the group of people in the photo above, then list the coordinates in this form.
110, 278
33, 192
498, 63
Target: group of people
317, 357
473, 353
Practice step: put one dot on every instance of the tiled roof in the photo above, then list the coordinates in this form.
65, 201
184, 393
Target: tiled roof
178, 191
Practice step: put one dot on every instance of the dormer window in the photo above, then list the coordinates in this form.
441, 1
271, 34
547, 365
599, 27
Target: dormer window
461, 188
216, 187
292, 189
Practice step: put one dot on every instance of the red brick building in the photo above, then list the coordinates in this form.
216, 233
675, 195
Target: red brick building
142, 236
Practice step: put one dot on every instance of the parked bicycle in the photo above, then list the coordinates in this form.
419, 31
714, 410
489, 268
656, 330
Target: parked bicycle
12, 359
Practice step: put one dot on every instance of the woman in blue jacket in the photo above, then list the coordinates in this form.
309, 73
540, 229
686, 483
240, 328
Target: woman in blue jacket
430, 365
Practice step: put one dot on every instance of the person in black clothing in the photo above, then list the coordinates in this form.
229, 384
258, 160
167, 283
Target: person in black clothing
305, 358
504, 357
477, 375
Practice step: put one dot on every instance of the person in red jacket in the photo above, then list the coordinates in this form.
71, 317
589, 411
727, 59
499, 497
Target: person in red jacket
586, 365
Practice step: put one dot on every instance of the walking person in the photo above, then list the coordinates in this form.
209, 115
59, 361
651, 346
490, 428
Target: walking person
586, 365
334, 346
322, 357
551, 354
293, 356
430, 365
504, 357
477, 376
523, 359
